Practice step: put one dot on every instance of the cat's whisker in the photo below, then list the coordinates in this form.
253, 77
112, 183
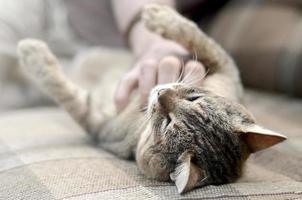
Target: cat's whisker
186, 78
182, 79
182, 71
146, 121
147, 115
193, 81
144, 108
196, 79
194, 55
195, 60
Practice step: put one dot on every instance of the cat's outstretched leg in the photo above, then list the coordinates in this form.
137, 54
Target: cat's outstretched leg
43, 67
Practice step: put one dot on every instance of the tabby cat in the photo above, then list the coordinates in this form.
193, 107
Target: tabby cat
194, 136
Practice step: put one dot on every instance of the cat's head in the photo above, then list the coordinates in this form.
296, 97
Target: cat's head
196, 138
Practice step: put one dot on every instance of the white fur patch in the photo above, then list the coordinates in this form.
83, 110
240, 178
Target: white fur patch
153, 97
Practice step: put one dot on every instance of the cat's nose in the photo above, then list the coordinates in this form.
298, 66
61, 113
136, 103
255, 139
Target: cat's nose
160, 91
166, 98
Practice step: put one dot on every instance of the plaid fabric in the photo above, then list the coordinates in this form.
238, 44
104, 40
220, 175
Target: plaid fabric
45, 155
265, 39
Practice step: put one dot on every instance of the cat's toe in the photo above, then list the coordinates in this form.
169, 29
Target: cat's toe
29, 47
34, 55
157, 17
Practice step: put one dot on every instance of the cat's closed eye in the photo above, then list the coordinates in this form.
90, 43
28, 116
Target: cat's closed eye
168, 121
192, 98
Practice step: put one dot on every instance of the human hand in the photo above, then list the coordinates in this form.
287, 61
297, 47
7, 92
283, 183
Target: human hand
163, 62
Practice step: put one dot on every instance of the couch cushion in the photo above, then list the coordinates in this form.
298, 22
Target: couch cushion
45, 155
264, 37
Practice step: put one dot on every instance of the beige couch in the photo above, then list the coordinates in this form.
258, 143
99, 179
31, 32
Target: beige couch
45, 155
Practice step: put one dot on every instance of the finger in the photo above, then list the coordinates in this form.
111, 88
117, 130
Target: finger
168, 70
194, 73
124, 90
147, 79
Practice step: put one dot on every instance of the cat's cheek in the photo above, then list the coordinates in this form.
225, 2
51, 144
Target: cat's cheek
144, 141
151, 165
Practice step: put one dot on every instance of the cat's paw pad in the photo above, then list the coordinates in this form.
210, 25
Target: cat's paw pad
35, 55
157, 17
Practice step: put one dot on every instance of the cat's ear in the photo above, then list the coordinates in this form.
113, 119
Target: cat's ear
258, 138
187, 175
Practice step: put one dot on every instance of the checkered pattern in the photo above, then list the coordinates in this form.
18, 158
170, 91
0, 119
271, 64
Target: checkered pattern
45, 155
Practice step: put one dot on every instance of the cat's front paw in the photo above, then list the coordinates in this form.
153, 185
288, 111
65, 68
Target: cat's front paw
157, 17
35, 56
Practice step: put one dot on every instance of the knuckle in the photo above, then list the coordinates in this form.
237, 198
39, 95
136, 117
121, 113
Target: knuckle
148, 63
123, 82
128, 78
144, 95
170, 62
147, 66
118, 99
144, 92
195, 66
